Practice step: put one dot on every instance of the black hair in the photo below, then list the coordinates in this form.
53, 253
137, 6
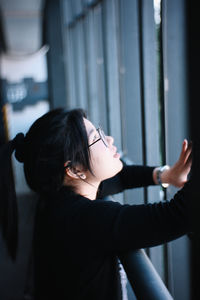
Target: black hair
56, 137
8, 203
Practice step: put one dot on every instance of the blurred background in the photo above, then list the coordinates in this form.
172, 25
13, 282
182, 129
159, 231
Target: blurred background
133, 65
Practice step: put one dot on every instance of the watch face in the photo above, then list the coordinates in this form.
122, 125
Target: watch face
165, 185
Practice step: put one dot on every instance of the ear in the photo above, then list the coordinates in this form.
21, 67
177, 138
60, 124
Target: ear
72, 172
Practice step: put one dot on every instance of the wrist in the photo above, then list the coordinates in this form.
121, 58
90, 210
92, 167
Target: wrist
162, 176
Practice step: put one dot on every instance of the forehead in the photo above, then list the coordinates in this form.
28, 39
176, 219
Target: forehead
89, 126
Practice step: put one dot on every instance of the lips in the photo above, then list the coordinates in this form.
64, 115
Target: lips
116, 154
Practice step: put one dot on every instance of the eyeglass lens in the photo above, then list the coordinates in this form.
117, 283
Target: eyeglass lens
103, 136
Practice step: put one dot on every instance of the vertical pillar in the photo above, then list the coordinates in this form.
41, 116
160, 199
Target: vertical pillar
53, 36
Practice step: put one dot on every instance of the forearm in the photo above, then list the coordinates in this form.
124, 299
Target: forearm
142, 226
137, 176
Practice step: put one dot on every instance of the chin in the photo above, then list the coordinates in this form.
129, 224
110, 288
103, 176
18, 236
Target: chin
119, 167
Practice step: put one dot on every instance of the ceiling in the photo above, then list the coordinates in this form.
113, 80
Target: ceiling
21, 22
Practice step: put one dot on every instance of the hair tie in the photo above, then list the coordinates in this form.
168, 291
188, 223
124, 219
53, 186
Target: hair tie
18, 144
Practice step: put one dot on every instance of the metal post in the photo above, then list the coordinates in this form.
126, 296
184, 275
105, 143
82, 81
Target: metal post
145, 281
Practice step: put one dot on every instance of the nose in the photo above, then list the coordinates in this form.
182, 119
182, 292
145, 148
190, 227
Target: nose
110, 140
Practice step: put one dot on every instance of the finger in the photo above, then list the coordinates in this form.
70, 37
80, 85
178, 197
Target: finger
189, 146
183, 150
189, 160
188, 152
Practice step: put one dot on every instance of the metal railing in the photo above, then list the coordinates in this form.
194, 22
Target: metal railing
143, 278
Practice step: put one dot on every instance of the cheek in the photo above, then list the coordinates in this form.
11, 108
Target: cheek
98, 159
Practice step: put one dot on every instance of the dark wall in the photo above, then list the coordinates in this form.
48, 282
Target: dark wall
193, 60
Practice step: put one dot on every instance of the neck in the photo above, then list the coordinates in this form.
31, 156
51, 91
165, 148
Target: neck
88, 189
85, 187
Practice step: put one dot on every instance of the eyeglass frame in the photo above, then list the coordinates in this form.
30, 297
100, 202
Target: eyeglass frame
102, 137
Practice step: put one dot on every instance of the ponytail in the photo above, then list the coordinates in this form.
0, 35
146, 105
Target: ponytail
8, 200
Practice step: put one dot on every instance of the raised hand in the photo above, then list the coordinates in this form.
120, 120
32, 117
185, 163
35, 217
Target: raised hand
177, 175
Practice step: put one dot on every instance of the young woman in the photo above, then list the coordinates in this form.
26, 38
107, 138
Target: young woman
72, 166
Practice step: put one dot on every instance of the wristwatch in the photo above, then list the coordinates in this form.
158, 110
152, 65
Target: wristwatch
158, 175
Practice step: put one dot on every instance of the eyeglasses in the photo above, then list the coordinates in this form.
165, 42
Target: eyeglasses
102, 137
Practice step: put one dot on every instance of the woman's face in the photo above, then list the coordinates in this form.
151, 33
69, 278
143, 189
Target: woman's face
105, 161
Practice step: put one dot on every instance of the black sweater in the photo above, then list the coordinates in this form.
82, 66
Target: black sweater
77, 240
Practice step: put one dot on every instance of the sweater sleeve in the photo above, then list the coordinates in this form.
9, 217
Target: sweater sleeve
111, 227
132, 176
